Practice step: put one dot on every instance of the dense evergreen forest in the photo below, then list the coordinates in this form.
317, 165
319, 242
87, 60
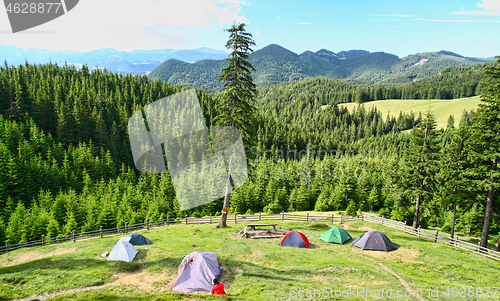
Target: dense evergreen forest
66, 162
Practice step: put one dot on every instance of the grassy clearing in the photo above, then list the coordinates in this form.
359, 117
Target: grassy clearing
442, 108
253, 269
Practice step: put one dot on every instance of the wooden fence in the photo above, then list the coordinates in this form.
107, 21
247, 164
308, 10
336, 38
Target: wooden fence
434, 236
426, 234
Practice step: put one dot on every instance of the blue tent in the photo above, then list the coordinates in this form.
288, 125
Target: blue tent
137, 239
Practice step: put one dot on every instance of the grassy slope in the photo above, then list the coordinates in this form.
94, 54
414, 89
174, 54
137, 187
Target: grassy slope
441, 108
254, 269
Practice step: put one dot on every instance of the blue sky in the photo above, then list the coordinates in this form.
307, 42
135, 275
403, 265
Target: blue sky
470, 28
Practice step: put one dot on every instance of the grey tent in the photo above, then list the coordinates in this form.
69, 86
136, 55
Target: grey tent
374, 240
137, 239
123, 251
197, 273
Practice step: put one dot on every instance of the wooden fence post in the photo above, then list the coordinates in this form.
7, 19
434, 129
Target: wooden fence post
100, 231
382, 220
167, 219
126, 230
418, 230
307, 219
456, 240
405, 226
260, 213
147, 224
332, 218
282, 215
436, 237
210, 217
43, 239
235, 217
341, 218
362, 216
186, 219
74, 238
6, 245
478, 246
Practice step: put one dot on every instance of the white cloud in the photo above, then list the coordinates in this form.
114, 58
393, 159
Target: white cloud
278, 17
304, 23
468, 21
258, 32
491, 8
477, 13
100, 24
490, 5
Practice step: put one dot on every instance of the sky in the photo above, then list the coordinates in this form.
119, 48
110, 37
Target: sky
467, 27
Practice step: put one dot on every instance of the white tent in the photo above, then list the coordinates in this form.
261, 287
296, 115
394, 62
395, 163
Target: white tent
196, 273
123, 251
126, 238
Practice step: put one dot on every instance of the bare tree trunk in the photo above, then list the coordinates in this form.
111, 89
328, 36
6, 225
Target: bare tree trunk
453, 221
416, 217
223, 219
487, 214
487, 218
225, 207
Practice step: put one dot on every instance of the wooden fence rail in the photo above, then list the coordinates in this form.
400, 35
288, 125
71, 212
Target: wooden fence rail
435, 236
424, 234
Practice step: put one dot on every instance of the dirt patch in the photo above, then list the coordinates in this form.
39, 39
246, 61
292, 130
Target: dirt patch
420, 62
32, 256
378, 282
322, 280
401, 280
401, 254
228, 276
336, 269
146, 282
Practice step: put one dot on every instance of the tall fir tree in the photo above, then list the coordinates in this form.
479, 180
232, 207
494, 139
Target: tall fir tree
239, 92
484, 151
422, 160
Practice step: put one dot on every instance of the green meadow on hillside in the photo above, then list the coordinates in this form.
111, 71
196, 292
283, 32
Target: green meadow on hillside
442, 108
253, 269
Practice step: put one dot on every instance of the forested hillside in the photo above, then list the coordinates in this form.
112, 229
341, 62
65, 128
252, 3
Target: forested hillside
275, 64
67, 164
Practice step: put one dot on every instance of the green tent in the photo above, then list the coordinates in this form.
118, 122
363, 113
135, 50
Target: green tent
336, 235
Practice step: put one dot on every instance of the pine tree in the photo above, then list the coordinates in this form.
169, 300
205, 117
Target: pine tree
422, 161
15, 228
70, 224
453, 182
239, 91
485, 143
53, 228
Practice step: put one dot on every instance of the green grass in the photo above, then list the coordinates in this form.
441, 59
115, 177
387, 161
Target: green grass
442, 108
255, 269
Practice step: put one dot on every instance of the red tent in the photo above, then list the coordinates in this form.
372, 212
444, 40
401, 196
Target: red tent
294, 239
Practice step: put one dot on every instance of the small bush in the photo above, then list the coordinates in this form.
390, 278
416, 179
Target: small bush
351, 209
446, 228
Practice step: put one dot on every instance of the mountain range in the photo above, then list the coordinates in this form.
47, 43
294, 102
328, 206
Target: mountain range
133, 62
275, 64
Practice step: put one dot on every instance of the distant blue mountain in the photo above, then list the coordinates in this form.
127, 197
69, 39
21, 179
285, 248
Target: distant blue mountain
134, 62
